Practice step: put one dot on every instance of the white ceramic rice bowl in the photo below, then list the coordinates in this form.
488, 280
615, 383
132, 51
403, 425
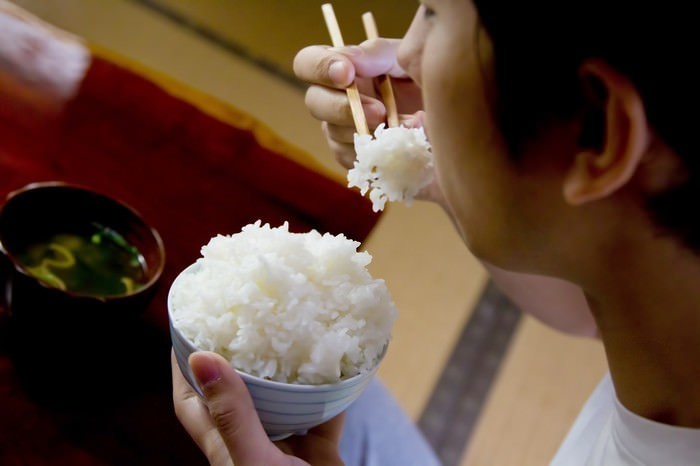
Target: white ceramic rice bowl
283, 408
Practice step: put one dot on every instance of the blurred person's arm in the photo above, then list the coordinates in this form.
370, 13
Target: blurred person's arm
39, 63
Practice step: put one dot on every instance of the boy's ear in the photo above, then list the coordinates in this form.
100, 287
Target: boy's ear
598, 172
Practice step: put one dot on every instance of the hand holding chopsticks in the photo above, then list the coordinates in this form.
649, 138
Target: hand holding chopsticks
353, 94
386, 90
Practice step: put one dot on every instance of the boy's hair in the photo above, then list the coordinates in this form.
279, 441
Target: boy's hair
539, 47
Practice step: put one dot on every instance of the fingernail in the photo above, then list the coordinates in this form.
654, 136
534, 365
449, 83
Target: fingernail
408, 122
338, 72
205, 369
414, 121
351, 50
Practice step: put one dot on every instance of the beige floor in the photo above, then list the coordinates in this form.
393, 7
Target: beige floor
434, 280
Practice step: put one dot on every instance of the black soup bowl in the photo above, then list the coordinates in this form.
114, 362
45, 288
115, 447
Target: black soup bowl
76, 255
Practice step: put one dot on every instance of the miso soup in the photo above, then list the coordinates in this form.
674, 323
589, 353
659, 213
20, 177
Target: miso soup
91, 260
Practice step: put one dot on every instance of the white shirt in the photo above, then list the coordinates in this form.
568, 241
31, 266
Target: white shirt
608, 434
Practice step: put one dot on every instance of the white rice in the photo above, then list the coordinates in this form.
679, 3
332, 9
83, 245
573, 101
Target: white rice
394, 165
289, 307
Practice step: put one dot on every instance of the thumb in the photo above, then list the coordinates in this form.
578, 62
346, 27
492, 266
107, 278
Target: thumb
231, 408
375, 57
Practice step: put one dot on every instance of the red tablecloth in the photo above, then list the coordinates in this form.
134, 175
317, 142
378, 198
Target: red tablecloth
191, 176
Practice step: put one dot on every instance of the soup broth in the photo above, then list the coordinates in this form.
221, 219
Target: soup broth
94, 261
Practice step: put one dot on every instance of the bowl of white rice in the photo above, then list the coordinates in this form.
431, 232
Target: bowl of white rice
298, 315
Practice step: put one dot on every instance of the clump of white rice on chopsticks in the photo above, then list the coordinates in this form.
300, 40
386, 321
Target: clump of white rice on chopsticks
393, 166
288, 307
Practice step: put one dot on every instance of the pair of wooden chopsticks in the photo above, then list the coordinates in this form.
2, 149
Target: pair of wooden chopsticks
385, 89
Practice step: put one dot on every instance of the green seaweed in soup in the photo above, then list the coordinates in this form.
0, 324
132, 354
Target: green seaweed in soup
94, 261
